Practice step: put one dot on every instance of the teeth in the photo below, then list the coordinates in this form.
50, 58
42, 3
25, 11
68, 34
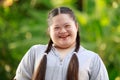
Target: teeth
63, 36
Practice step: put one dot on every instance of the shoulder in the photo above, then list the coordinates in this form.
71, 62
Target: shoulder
87, 56
38, 48
86, 52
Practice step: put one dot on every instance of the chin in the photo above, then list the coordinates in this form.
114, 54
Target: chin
65, 45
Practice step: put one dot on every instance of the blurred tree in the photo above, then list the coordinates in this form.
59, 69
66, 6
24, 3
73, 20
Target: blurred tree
100, 20
19, 22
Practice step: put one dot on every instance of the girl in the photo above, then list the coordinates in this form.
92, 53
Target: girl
63, 58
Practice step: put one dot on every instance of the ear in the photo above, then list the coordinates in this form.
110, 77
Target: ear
77, 26
48, 31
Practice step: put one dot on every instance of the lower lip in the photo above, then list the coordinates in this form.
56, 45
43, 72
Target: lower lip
64, 38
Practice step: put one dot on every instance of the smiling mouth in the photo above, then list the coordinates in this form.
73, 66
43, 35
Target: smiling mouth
64, 37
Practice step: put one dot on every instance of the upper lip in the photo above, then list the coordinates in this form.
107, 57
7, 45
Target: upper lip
63, 36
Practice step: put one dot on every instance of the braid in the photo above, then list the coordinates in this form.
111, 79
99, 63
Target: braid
40, 73
72, 73
49, 46
73, 68
77, 42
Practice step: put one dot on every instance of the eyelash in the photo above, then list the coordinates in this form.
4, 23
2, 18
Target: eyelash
56, 28
66, 26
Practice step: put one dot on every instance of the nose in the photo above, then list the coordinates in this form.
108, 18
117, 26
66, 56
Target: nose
63, 30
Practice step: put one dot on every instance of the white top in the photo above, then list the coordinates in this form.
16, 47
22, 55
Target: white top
91, 66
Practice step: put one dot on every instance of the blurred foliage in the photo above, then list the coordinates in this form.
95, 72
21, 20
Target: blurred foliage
23, 23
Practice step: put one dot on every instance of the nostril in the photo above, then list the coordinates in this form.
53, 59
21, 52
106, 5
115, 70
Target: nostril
63, 31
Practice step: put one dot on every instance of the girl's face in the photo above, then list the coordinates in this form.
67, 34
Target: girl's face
63, 31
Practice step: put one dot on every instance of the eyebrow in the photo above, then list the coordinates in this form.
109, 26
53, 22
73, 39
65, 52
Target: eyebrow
66, 23
63, 24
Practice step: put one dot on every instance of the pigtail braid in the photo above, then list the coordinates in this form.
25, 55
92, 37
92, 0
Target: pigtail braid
73, 68
49, 46
72, 73
40, 73
77, 42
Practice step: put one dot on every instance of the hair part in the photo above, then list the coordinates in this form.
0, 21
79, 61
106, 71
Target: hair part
60, 10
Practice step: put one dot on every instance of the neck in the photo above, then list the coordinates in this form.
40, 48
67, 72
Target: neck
64, 51
65, 48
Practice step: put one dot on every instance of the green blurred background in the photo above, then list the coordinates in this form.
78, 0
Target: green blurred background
23, 23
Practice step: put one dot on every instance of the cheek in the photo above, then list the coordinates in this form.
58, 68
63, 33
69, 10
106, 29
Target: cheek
72, 30
53, 34
75, 30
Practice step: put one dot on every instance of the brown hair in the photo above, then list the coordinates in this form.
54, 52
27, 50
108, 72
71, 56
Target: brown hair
73, 68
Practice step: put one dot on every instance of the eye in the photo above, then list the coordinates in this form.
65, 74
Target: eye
56, 28
67, 26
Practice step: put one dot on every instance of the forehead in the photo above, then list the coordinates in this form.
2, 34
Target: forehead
62, 18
